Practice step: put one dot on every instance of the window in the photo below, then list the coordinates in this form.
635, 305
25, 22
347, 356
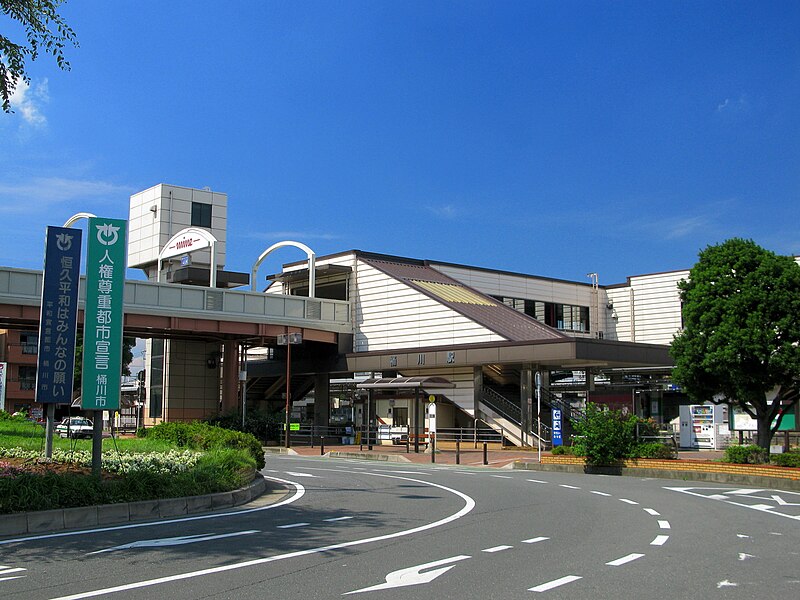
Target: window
156, 396
565, 317
201, 215
27, 377
29, 343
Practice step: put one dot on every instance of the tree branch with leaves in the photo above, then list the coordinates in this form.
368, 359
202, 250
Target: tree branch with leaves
45, 32
740, 342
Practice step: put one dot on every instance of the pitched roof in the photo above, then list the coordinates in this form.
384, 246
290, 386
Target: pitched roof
474, 305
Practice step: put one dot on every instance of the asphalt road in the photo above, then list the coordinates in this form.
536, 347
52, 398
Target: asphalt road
377, 530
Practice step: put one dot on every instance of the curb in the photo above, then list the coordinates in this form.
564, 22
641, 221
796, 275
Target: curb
367, 456
683, 475
125, 512
279, 450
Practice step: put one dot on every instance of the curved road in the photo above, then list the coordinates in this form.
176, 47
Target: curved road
376, 530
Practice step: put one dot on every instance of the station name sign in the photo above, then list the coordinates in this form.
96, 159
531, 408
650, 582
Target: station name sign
188, 242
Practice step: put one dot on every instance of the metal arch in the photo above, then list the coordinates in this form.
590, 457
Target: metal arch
77, 217
312, 259
207, 236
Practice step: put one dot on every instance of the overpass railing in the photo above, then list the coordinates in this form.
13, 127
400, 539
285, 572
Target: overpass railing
24, 287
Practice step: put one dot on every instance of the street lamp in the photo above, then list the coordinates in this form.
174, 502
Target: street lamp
289, 339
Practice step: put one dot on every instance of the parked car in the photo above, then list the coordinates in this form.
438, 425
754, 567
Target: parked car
75, 427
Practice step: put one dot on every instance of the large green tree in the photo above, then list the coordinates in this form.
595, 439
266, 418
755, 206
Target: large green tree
45, 31
740, 341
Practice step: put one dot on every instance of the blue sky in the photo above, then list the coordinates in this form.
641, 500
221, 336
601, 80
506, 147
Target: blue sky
553, 138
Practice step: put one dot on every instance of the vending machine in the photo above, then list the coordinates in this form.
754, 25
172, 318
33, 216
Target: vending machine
699, 425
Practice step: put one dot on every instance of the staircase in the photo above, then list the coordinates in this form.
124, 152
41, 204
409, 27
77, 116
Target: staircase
505, 417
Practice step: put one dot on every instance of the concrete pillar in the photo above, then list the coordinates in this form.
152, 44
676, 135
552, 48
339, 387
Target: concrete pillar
230, 376
477, 384
526, 393
322, 400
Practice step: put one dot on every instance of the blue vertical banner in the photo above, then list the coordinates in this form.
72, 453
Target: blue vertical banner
557, 440
58, 318
106, 251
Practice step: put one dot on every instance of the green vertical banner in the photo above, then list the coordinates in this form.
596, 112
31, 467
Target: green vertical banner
106, 251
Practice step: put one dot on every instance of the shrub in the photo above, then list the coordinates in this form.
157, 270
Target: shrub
202, 436
263, 425
605, 436
561, 450
746, 455
653, 450
787, 459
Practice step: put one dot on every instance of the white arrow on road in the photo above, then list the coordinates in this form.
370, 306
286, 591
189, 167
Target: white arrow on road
174, 541
783, 502
412, 575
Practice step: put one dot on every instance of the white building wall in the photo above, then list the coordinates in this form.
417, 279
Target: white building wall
391, 314
537, 288
149, 230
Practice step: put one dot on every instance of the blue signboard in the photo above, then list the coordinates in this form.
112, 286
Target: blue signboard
58, 318
557, 440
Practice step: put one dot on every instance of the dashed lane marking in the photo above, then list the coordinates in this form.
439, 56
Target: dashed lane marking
651, 512
664, 524
659, 540
536, 481
555, 583
535, 540
497, 549
626, 501
569, 487
600, 493
337, 519
292, 525
624, 560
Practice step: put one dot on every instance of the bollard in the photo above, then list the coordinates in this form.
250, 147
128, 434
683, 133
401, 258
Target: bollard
458, 452
485, 453
321, 445
408, 443
433, 447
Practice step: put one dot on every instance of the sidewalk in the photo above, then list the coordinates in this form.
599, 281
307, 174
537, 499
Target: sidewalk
446, 455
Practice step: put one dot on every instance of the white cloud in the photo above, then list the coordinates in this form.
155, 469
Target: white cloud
41, 192
27, 102
678, 228
733, 105
296, 236
445, 211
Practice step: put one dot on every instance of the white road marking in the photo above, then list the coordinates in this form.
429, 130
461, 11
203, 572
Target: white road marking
535, 540
298, 493
743, 492
174, 541
624, 560
651, 512
569, 487
759, 507
664, 524
9, 570
783, 502
745, 556
726, 583
293, 474
292, 525
497, 549
600, 493
10, 578
502, 476
659, 540
535, 481
717, 497
626, 501
554, 584
741, 535
336, 519
412, 575
469, 504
